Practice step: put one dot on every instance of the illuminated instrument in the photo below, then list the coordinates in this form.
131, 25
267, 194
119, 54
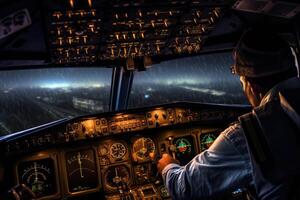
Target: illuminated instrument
81, 170
183, 146
117, 176
112, 151
118, 151
207, 139
143, 149
185, 149
39, 176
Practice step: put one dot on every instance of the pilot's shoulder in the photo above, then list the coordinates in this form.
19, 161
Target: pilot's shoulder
235, 134
233, 130
230, 142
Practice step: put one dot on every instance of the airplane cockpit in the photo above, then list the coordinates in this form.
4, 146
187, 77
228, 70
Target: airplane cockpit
94, 92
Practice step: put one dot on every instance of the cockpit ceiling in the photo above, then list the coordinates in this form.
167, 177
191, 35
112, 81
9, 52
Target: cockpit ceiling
102, 32
134, 34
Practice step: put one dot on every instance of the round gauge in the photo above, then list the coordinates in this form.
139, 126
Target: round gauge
207, 140
81, 169
39, 176
116, 176
118, 151
143, 149
183, 146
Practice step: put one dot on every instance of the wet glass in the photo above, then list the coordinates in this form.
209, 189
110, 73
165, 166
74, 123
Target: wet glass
205, 78
29, 98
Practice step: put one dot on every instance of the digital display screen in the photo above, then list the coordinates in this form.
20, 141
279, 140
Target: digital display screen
185, 149
207, 139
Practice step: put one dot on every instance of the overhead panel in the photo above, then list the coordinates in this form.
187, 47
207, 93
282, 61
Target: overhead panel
87, 32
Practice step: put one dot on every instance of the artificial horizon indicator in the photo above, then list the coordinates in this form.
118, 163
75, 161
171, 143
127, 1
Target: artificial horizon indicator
39, 176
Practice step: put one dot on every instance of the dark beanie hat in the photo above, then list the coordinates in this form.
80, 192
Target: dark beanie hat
260, 54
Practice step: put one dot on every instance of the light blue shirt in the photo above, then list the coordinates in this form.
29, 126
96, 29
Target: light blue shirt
224, 167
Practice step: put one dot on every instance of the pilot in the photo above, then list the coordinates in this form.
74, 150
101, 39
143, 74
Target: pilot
268, 73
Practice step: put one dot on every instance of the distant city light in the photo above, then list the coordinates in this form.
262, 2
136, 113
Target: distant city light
55, 85
205, 90
65, 85
147, 96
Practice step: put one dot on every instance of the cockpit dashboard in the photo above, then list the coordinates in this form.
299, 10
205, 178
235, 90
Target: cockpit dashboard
112, 155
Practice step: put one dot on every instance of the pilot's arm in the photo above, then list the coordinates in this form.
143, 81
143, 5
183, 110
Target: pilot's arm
224, 167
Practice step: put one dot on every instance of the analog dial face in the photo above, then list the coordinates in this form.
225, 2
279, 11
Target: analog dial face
206, 140
143, 149
117, 176
39, 176
117, 151
81, 170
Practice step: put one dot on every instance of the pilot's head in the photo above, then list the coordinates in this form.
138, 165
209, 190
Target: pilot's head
262, 60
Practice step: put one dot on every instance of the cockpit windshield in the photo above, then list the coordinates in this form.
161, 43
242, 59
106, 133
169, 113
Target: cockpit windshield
37, 96
205, 78
33, 97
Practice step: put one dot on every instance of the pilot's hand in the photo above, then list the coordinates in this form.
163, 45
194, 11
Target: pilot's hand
164, 161
21, 192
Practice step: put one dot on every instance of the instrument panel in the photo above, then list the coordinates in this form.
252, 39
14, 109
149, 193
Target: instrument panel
115, 155
118, 165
